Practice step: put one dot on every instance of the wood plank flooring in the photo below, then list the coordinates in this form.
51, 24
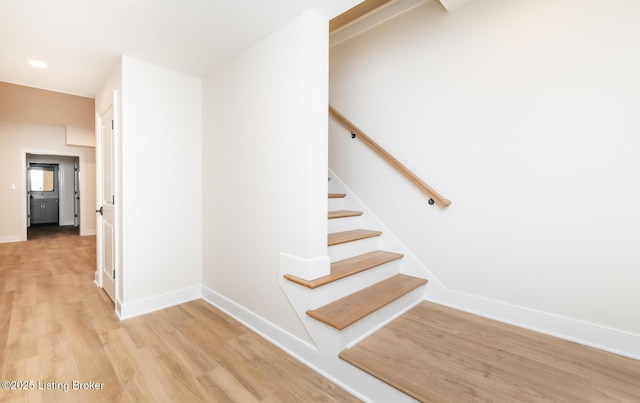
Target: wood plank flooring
347, 267
348, 236
57, 326
439, 354
343, 214
350, 309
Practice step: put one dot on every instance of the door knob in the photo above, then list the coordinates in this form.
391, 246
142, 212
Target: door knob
99, 211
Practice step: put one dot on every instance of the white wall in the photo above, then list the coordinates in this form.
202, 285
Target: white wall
524, 114
265, 162
16, 140
80, 136
161, 181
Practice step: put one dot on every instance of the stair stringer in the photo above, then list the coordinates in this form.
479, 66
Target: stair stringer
329, 341
328, 293
539, 321
409, 265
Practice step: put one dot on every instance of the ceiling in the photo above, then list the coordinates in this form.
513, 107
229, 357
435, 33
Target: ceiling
81, 40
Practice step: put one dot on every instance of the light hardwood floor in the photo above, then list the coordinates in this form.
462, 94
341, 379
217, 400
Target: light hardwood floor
439, 354
57, 326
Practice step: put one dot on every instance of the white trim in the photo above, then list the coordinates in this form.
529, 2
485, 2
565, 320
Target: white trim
88, 233
117, 191
119, 309
98, 180
409, 264
372, 19
256, 323
151, 304
588, 334
451, 5
384, 316
332, 368
607, 339
117, 213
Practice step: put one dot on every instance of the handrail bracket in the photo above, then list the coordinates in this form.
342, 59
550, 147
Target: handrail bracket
434, 197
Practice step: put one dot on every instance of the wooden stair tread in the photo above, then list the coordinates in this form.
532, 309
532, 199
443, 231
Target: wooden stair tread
347, 267
348, 310
353, 235
337, 195
343, 213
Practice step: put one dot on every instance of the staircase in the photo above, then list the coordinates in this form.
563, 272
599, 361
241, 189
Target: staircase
365, 288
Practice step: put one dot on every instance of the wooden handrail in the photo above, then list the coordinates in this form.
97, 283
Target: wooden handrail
441, 201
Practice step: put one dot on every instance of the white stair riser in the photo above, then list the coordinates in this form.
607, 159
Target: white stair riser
353, 334
333, 341
330, 292
354, 248
327, 341
335, 187
336, 204
343, 224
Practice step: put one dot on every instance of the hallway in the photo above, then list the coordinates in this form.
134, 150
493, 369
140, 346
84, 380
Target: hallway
51, 231
57, 328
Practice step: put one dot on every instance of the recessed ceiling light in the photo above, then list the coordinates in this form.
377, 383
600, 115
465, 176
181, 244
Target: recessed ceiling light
39, 64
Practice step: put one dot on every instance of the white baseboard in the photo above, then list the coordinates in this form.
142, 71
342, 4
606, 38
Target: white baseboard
119, 309
90, 232
357, 382
299, 349
10, 238
157, 302
254, 322
588, 334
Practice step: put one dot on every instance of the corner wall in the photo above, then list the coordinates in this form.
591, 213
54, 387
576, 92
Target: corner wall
265, 164
523, 114
161, 179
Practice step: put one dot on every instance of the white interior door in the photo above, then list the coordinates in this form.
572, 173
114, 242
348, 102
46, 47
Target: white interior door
107, 202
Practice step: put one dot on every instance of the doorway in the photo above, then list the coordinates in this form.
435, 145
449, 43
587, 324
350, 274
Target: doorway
53, 194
